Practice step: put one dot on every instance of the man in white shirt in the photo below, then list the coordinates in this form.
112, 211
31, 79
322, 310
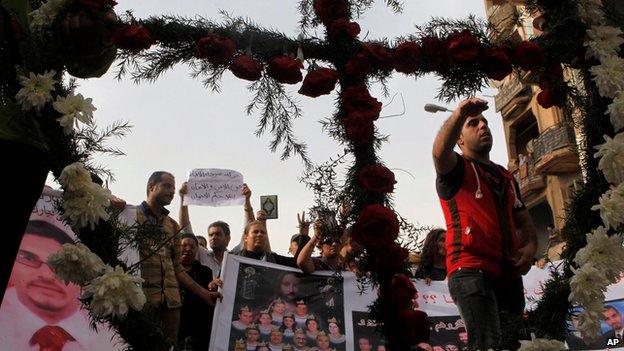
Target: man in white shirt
39, 312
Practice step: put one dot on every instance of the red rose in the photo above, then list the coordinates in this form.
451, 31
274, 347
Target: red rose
378, 55
376, 227
329, 10
550, 97
215, 49
359, 128
553, 71
98, 5
357, 98
433, 54
402, 292
392, 259
415, 327
377, 178
529, 56
18, 33
319, 82
285, 69
133, 38
245, 67
358, 66
407, 57
463, 47
496, 64
342, 29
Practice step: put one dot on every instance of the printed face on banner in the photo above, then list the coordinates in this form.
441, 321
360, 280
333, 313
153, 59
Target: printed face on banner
214, 187
283, 307
611, 334
36, 299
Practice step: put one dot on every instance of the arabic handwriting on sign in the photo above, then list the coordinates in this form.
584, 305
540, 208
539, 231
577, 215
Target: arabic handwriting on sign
448, 299
459, 324
430, 298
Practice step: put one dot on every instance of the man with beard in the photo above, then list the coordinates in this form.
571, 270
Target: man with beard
40, 312
196, 314
491, 239
160, 267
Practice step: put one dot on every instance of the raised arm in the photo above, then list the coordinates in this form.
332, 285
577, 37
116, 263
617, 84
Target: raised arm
249, 215
185, 221
443, 157
304, 259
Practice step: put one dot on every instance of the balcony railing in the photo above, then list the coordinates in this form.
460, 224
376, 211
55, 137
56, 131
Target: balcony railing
555, 138
512, 89
529, 180
554, 150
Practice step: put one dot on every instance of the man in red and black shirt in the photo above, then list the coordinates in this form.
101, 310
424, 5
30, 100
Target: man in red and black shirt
491, 239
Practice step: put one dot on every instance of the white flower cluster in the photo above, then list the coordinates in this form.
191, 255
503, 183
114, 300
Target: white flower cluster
603, 258
616, 111
590, 11
603, 41
114, 292
611, 155
76, 264
536, 344
45, 14
603, 252
84, 202
74, 108
611, 207
36, 89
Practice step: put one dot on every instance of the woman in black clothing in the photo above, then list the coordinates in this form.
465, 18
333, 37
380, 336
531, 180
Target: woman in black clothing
433, 257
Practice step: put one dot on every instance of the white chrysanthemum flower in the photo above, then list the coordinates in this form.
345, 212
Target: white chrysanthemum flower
605, 253
603, 41
74, 108
45, 14
590, 11
114, 292
588, 284
611, 207
611, 155
76, 264
609, 76
36, 90
86, 206
589, 320
74, 177
536, 344
616, 111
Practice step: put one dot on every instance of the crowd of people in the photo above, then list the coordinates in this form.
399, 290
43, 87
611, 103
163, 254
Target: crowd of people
488, 243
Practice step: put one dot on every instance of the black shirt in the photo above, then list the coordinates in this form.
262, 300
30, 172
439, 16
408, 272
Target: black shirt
271, 257
196, 314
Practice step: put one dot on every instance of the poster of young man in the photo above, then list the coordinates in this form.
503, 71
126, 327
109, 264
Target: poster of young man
277, 306
40, 312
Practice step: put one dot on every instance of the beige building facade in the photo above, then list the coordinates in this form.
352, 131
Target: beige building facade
541, 146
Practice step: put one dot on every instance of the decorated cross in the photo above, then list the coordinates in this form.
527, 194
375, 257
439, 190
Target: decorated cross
82, 36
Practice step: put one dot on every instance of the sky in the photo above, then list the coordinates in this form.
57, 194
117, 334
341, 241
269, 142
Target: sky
178, 125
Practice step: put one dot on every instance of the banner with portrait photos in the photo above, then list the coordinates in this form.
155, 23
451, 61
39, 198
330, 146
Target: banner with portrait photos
37, 307
272, 307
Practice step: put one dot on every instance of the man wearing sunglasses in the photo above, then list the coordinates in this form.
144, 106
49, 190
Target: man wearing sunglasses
39, 312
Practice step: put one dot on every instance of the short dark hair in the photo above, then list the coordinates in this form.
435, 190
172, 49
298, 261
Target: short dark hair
221, 224
155, 178
48, 230
611, 307
189, 236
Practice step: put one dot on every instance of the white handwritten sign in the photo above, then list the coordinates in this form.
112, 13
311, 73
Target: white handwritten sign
214, 187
